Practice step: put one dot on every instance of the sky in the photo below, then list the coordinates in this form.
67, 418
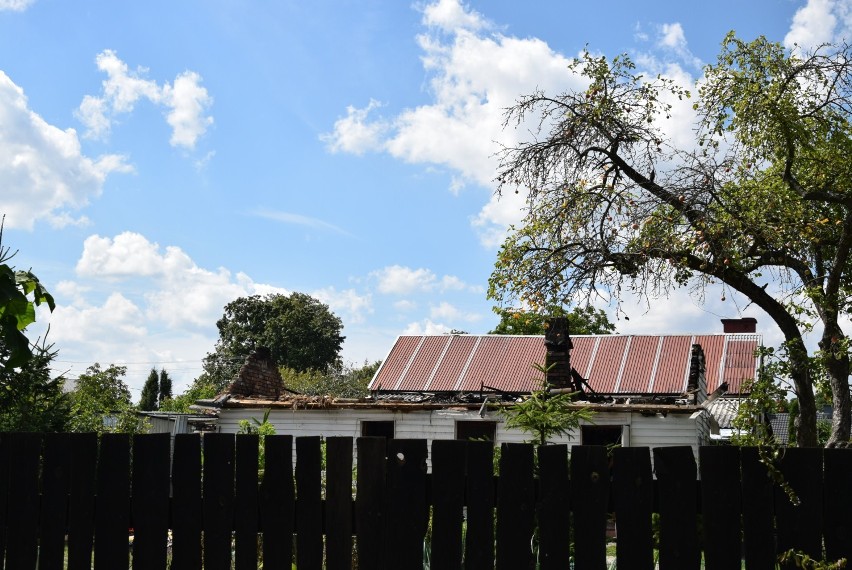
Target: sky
160, 159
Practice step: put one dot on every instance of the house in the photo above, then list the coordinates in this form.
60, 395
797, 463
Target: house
645, 390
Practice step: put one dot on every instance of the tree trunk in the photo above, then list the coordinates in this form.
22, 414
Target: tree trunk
837, 368
806, 434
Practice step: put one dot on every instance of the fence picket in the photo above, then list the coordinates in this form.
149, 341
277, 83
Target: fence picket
150, 502
721, 505
553, 507
218, 499
837, 504
515, 507
22, 521
758, 512
799, 527
590, 489
448, 458
308, 503
245, 502
81, 500
406, 508
633, 493
112, 505
676, 472
338, 503
479, 492
56, 475
186, 502
369, 501
278, 501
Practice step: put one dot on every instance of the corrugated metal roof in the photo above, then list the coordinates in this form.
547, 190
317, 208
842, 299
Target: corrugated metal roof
612, 364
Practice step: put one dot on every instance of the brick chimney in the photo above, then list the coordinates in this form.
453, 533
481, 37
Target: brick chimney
696, 385
558, 360
258, 377
743, 325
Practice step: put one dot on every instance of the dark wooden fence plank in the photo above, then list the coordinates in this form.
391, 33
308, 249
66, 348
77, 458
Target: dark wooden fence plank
22, 515
721, 504
448, 464
338, 503
369, 501
837, 524
515, 507
81, 500
112, 510
5, 463
218, 500
758, 512
150, 502
186, 502
590, 481
676, 472
479, 493
56, 482
308, 503
406, 509
278, 502
554, 516
245, 506
633, 493
799, 526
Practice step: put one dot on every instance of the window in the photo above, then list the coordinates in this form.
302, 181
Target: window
382, 428
476, 430
600, 435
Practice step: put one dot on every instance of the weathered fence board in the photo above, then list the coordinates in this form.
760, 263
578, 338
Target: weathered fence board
676, 476
150, 502
448, 461
186, 503
633, 491
338, 503
721, 504
93, 490
590, 490
278, 504
515, 507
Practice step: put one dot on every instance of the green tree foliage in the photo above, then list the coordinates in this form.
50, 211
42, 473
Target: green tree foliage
339, 382
762, 197
300, 332
100, 402
201, 389
20, 293
30, 400
148, 398
581, 320
544, 415
165, 387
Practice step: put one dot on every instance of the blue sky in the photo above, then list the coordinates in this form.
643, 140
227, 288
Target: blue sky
160, 159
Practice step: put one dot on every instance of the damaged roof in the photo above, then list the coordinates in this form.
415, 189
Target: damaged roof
611, 364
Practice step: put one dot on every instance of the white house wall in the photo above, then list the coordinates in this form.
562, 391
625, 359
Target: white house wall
642, 430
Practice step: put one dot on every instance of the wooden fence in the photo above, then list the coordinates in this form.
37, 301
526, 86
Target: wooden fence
71, 496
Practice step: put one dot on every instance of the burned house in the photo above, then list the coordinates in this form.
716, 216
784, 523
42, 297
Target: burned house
645, 390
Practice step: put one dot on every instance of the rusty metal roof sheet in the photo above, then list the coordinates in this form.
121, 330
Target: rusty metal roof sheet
612, 364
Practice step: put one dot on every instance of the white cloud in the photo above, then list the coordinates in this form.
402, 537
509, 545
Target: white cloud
356, 133
450, 15
426, 327
43, 173
449, 312
814, 24
299, 220
673, 38
351, 306
15, 5
117, 320
185, 101
399, 280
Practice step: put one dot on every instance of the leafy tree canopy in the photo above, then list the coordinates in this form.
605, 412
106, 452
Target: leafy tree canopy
340, 381
100, 402
30, 400
150, 390
581, 320
300, 332
20, 293
760, 202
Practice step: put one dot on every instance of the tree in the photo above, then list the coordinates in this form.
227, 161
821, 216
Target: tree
761, 203
201, 389
581, 320
20, 293
165, 387
339, 382
148, 398
300, 332
30, 400
100, 402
